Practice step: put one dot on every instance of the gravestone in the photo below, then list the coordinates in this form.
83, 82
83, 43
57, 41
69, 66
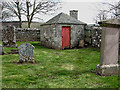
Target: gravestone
1, 50
26, 53
9, 37
108, 64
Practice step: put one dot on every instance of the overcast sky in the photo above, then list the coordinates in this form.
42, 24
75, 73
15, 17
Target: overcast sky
87, 9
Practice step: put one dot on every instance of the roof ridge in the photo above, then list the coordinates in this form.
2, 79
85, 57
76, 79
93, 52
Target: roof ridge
63, 18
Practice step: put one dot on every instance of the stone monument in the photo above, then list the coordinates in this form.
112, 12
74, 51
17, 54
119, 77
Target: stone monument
1, 50
108, 64
26, 53
9, 37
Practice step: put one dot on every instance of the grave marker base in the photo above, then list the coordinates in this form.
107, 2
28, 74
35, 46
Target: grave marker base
6, 44
107, 70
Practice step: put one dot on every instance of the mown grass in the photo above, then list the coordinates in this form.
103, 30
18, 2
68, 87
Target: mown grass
0, 42
69, 68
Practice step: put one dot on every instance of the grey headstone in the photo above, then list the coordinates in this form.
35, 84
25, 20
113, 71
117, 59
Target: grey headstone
26, 52
9, 36
1, 50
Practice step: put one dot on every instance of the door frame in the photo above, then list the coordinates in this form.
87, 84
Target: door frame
69, 34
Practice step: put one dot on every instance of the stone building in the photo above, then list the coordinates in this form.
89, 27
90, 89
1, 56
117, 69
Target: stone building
62, 31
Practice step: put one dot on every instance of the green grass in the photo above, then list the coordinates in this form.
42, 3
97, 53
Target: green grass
69, 68
0, 42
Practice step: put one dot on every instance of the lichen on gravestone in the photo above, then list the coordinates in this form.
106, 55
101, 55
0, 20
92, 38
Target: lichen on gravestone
1, 50
9, 36
26, 53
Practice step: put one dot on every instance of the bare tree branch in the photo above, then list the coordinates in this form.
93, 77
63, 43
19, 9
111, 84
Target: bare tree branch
36, 7
112, 11
29, 8
13, 9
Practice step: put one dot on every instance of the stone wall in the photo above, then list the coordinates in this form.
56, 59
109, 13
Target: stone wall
93, 36
51, 35
27, 34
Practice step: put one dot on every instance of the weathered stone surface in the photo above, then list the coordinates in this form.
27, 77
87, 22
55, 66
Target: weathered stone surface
1, 50
109, 52
108, 70
9, 37
81, 43
93, 35
109, 48
1, 31
26, 53
74, 14
51, 35
27, 34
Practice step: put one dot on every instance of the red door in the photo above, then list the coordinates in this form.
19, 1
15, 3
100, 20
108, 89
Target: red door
65, 37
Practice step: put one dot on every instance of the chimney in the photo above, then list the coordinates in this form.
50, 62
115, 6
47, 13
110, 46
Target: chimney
74, 14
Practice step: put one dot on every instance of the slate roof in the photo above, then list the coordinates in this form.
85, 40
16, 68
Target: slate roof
63, 19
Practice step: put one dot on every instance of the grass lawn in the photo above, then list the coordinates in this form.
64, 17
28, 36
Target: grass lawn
69, 68
0, 43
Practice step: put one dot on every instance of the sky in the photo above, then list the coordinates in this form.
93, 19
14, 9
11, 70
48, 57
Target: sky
88, 0
87, 9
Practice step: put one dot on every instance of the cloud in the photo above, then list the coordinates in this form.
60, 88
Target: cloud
89, 0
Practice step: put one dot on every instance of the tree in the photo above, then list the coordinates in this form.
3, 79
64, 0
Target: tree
113, 10
101, 12
108, 10
101, 16
0, 11
36, 7
28, 8
4, 14
14, 9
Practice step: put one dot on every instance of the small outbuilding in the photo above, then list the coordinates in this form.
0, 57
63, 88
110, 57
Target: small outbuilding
62, 31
